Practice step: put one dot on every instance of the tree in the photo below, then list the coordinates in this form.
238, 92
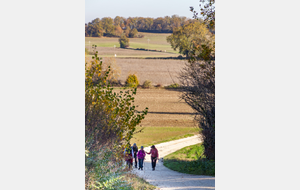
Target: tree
198, 82
108, 26
133, 33
94, 28
124, 41
110, 122
189, 36
118, 31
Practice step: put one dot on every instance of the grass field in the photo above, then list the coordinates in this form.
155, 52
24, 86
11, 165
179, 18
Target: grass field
187, 160
156, 135
157, 41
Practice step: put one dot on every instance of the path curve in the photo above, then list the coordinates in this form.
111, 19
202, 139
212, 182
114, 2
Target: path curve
166, 179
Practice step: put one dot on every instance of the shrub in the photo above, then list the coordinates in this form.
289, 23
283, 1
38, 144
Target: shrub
124, 41
175, 85
132, 81
147, 84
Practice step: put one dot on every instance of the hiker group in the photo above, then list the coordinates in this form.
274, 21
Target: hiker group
139, 156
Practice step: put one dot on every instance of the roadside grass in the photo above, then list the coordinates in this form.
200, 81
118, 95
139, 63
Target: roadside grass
138, 183
190, 160
156, 135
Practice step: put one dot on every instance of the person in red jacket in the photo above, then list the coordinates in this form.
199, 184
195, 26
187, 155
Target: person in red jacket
154, 156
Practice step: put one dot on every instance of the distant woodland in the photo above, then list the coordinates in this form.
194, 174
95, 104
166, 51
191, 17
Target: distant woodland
130, 26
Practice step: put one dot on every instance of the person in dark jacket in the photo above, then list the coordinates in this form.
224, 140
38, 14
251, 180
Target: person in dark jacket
154, 156
135, 151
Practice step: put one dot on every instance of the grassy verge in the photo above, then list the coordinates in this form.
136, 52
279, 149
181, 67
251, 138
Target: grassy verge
156, 135
188, 160
138, 183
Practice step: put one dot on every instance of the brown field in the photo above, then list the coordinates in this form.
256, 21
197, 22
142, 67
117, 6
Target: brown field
168, 118
158, 71
165, 108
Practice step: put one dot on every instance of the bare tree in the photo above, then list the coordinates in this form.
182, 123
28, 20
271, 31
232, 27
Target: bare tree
198, 81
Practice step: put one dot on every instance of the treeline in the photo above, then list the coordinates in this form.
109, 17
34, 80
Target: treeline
119, 25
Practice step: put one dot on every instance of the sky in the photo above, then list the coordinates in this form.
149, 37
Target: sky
138, 8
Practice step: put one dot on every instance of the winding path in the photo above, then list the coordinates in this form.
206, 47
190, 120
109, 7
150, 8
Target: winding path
166, 179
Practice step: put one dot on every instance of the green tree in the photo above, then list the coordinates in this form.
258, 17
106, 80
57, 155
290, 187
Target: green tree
108, 26
189, 36
94, 28
110, 122
124, 41
133, 33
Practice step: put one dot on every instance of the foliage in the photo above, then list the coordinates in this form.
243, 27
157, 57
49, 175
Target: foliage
147, 84
190, 160
102, 172
133, 33
110, 121
173, 86
108, 26
118, 31
190, 36
94, 28
198, 80
132, 81
207, 11
124, 41
156, 25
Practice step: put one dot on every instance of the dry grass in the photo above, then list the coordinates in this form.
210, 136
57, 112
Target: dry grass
158, 71
165, 108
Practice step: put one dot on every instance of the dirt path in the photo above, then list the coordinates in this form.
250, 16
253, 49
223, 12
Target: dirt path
167, 179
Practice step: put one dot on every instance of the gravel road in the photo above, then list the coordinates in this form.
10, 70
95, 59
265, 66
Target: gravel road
166, 179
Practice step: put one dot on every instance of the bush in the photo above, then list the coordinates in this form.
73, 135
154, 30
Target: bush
147, 84
175, 85
132, 81
124, 41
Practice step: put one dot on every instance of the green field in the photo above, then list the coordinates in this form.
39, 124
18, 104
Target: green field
190, 160
157, 41
156, 135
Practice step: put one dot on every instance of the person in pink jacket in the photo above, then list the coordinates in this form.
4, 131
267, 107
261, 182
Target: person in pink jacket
154, 156
141, 156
